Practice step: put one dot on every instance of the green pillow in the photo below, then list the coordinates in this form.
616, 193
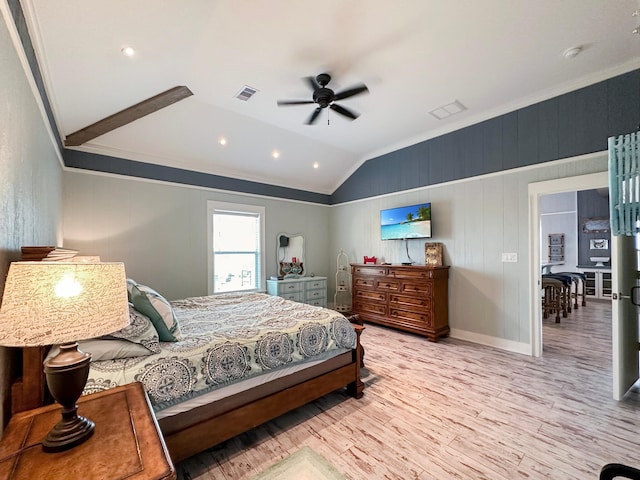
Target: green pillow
149, 302
130, 284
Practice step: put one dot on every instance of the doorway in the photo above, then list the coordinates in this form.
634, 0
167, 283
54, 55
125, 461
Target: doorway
536, 190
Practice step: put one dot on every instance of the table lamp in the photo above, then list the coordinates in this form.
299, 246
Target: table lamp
47, 303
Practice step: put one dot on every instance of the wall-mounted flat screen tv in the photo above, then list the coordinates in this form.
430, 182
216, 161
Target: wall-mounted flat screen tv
413, 221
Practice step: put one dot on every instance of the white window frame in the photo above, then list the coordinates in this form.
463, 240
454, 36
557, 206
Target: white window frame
215, 206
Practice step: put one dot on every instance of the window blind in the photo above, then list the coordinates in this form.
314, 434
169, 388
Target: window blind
624, 184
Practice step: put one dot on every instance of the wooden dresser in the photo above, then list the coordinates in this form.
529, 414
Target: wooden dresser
413, 298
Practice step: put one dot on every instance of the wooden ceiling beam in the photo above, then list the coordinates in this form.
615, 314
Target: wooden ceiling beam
127, 115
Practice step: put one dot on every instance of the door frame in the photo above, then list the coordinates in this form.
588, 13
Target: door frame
560, 185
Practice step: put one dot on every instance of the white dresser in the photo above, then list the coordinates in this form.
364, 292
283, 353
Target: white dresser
311, 290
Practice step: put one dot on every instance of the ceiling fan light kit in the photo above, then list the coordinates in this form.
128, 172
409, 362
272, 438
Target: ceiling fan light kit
324, 97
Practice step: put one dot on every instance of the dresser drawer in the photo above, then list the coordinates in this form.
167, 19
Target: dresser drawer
419, 319
364, 282
380, 271
374, 308
370, 296
289, 287
388, 285
314, 284
293, 296
419, 303
318, 302
314, 294
411, 273
412, 288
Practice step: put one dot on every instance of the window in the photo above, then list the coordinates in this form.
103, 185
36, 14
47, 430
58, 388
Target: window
236, 246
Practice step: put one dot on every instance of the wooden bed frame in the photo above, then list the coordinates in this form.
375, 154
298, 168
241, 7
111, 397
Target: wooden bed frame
194, 431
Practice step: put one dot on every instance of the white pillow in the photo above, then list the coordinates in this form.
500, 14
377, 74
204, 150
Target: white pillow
140, 330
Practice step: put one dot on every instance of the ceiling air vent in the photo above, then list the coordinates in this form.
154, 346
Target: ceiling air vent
246, 93
447, 110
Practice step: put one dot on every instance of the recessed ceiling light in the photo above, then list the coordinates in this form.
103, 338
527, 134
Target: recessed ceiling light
275, 154
128, 51
316, 164
222, 141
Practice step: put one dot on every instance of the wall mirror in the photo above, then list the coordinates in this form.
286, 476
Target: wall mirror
290, 255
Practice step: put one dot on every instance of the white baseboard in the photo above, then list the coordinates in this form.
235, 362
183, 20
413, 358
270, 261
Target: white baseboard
501, 343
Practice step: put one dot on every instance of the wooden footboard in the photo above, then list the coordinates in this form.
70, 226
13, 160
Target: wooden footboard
192, 432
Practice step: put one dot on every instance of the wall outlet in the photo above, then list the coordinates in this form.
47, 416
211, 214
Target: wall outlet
509, 257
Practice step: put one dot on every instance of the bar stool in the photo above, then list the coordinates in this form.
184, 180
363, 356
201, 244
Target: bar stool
579, 281
552, 299
565, 297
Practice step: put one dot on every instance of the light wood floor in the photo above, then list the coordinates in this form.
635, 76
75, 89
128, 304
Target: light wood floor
458, 410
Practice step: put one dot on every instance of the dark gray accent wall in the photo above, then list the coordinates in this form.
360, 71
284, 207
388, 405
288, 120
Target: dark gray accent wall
107, 164
572, 124
25, 39
591, 204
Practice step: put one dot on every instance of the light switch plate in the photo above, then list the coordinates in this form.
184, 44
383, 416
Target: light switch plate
509, 257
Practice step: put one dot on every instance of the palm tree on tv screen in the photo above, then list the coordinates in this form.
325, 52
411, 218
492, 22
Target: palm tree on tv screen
424, 213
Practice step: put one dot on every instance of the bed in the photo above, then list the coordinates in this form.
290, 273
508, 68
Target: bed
218, 365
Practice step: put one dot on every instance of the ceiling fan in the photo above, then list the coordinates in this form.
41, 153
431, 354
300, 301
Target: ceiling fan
325, 97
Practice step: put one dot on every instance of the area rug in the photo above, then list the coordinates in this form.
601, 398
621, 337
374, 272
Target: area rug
305, 464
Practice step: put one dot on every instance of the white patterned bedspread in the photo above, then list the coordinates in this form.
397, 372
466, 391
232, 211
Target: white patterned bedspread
227, 338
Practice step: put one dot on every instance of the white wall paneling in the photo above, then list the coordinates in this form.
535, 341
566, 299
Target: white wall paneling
477, 220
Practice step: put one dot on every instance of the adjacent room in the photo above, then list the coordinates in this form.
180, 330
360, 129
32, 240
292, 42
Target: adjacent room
319, 240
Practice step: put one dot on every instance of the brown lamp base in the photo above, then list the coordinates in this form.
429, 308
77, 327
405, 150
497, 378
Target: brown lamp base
68, 434
67, 374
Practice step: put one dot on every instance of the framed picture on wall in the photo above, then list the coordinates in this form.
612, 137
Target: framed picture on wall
596, 225
599, 244
556, 239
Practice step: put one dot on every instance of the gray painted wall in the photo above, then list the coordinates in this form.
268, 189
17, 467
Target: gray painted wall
558, 214
30, 181
159, 229
477, 220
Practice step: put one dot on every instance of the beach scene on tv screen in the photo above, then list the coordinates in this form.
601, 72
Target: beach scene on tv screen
406, 222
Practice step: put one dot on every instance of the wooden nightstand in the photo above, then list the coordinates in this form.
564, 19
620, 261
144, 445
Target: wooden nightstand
126, 443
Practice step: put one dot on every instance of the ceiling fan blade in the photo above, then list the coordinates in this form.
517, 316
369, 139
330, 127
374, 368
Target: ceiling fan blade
343, 111
127, 115
350, 92
312, 83
294, 102
314, 116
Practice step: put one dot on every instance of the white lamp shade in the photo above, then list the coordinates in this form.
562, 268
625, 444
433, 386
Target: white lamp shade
46, 303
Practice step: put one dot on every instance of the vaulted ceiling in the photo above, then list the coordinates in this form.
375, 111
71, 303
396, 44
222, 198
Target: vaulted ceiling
415, 56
